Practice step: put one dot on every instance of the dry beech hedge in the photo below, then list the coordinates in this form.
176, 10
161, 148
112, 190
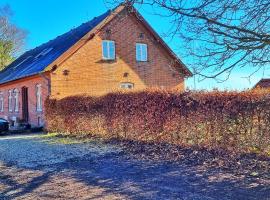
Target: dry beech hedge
237, 121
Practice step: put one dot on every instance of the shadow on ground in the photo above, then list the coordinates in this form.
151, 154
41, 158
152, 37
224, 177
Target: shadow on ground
115, 175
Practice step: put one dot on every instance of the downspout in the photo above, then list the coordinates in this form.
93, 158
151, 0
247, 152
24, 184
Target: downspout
48, 83
48, 79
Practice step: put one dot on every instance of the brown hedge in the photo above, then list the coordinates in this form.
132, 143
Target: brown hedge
237, 121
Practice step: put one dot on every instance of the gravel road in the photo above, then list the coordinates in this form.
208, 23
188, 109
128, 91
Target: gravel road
34, 167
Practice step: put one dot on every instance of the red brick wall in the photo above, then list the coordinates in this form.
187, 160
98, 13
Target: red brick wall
30, 83
89, 74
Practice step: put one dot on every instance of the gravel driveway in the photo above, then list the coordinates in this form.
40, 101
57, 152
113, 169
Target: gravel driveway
33, 167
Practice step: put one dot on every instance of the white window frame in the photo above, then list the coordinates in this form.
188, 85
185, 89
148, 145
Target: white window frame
16, 100
1, 102
108, 48
127, 85
38, 97
10, 101
141, 48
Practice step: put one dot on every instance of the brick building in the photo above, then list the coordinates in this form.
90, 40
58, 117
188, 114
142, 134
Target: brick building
263, 84
115, 51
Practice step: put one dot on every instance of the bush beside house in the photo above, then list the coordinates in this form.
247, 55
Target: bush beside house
236, 121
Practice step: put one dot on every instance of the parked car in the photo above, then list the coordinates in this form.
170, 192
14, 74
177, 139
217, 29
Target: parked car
4, 125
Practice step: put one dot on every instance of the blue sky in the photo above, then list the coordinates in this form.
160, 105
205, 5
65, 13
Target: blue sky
47, 19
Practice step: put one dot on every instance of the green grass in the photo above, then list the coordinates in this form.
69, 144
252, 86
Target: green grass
56, 138
51, 135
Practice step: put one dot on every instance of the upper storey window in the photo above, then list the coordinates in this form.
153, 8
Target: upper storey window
108, 50
141, 52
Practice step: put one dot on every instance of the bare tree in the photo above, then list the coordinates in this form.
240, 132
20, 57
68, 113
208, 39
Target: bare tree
11, 37
219, 35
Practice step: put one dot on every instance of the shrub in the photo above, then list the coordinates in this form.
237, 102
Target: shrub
237, 121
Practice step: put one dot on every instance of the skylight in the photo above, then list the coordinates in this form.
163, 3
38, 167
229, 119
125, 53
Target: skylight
23, 61
44, 52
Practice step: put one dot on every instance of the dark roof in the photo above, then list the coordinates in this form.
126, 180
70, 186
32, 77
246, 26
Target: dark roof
36, 60
263, 83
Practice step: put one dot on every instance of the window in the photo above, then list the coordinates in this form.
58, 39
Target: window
127, 85
141, 52
26, 59
38, 96
16, 100
10, 100
39, 121
1, 102
108, 50
44, 52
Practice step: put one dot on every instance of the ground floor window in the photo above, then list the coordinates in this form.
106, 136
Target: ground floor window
10, 101
39, 97
16, 100
1, 102
127, 85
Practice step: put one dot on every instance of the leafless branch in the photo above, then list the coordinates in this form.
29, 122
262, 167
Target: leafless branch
218, 36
